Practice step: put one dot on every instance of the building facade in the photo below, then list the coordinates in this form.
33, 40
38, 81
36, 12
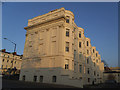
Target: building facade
9, 60
56, 51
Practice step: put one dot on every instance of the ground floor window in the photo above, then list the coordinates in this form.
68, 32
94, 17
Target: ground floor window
88, 79
35, 78
54, 78
23, 78
41, 78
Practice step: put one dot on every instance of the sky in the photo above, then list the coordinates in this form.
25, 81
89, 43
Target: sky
98, 19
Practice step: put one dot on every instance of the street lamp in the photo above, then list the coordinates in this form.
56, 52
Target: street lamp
11, 42
14, 50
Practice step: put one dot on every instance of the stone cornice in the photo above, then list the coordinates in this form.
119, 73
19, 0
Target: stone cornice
62, 17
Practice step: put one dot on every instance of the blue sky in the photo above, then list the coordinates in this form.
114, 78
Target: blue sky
99, 20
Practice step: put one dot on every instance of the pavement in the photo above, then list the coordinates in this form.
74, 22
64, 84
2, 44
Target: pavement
104, 85
12, 84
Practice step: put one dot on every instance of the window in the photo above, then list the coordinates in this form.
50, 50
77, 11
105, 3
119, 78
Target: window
35, 78
67, 64
96, 54
97, 60
11, 61
87, 43
74, 29
73, 64
41, 78
54, 78
67, 32
79, 44
74, 54
15, 62
3, 60
7, 60
79, 34
88, 52
80, 78
88, 79
88, 71
94, 73
2, 66
80, 68
80, 55
87, 60
67, 46
23, 78
67, 19
97, 74
95, 79
93, 50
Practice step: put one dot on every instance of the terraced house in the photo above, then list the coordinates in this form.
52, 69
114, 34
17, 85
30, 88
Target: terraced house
56, 51
10, 60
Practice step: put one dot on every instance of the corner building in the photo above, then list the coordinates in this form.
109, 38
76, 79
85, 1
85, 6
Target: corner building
56, 51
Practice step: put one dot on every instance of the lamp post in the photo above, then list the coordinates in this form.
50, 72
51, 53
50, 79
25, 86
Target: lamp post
14, 50
11, 42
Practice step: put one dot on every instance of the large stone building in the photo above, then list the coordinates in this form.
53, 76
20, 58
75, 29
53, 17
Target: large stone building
9, 60
56, 51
